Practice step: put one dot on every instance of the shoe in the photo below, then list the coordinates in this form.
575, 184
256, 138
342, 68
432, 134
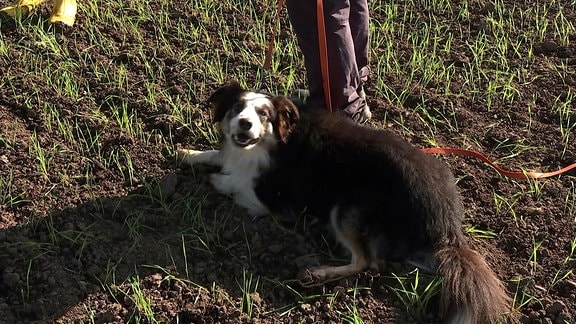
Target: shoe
63, 11
300, 97
363, 115
362, 93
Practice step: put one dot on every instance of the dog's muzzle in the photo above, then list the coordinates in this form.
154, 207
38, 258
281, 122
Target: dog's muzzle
244, 140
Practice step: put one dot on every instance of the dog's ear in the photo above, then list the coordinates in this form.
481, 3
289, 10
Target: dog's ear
287, 117
223, 99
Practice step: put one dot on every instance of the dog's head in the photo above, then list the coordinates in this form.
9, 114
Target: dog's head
249, 118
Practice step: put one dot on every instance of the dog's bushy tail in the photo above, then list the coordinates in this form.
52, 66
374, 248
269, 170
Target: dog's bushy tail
471, 293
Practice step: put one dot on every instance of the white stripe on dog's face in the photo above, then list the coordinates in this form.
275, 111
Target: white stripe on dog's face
251, 120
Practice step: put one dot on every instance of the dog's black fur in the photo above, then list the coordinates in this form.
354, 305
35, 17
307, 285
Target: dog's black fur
331, 161
384, 198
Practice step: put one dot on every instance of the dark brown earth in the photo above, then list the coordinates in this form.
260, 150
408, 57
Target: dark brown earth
79, 244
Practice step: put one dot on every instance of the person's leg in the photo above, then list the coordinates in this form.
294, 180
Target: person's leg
344, 75
302, 15
360, 30
347, 25
345, 79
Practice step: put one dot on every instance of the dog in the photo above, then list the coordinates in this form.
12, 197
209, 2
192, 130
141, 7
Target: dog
383, 198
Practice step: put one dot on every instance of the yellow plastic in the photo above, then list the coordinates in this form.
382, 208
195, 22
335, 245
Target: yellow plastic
64, 11
21, 7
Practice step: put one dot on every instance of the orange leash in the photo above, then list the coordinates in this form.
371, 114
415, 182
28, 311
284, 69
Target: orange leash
510, 174
323, 47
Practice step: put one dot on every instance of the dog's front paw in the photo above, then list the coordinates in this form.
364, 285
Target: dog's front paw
311, 277
184, 157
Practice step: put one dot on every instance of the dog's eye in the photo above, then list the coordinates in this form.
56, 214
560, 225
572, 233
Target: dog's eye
263, 113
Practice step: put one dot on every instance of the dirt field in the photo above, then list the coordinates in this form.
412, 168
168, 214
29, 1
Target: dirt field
96, 226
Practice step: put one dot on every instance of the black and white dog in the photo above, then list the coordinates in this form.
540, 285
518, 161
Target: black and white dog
383, 198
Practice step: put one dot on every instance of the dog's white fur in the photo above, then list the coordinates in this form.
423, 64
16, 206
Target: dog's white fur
238, 173
240, 164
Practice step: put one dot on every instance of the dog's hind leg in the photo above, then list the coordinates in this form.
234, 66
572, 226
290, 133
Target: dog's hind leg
347, 229
191, 157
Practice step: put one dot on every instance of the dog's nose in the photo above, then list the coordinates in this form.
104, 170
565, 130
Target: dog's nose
244, 124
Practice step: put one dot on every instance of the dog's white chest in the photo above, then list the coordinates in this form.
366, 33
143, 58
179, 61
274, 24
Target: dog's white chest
237, 178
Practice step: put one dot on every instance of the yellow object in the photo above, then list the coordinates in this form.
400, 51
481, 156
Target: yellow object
21, 7
64, 11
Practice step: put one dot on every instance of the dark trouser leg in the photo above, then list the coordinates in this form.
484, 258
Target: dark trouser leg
344, 31
302, 14
359, 27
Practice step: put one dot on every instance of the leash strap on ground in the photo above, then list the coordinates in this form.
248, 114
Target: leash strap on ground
510, 174
323, 48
